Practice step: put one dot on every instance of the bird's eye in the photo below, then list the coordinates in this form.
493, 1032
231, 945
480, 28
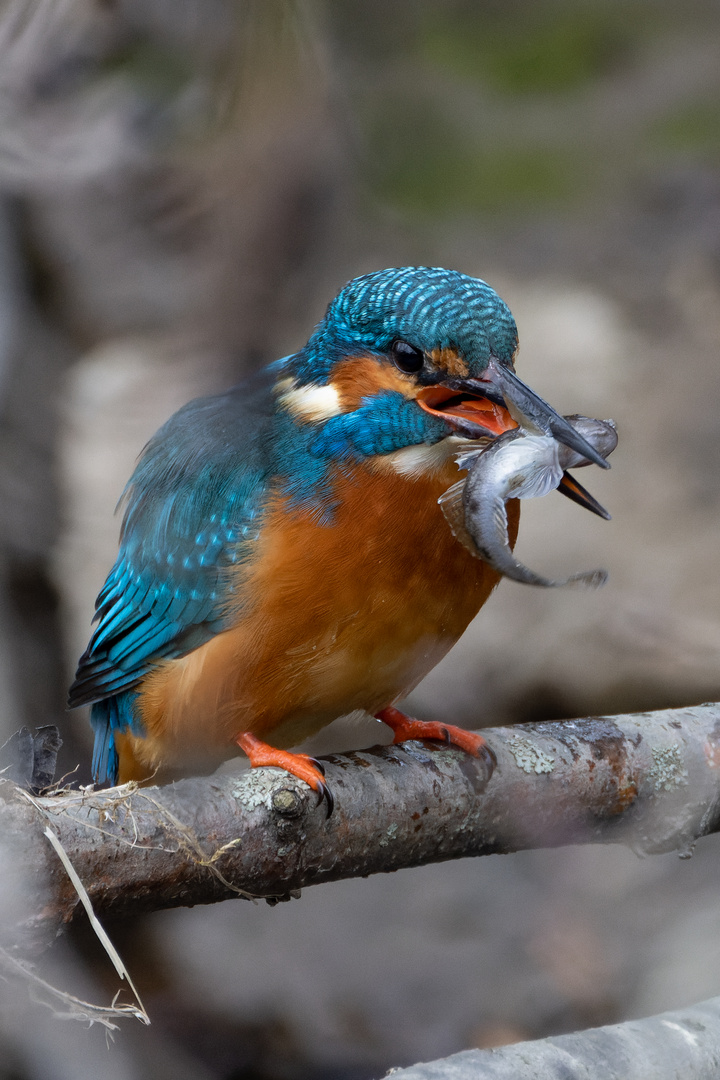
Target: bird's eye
406, 357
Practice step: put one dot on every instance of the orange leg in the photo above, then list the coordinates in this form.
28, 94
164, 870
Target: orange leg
405, 727
301, 765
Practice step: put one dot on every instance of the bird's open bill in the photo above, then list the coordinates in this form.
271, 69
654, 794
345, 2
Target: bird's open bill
500, 401
530, 411
471, 415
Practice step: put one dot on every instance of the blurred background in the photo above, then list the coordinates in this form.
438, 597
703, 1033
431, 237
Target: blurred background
184, 185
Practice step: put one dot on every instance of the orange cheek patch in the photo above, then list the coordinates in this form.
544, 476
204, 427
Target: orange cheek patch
449, 360
359, 377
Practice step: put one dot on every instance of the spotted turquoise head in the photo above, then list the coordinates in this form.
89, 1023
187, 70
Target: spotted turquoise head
413, 355
430, 308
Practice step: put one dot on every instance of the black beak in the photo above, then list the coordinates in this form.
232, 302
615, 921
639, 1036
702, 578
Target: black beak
570, 487
501, 385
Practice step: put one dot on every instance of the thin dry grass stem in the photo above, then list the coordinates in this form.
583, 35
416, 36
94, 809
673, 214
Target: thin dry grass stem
184, 838
96, 924
76, 1008
189, 843
61, 785
119, 797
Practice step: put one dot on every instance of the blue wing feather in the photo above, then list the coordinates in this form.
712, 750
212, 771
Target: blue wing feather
191, 509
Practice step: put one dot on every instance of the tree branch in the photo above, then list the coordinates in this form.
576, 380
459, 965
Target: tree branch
683, 1043
649, 780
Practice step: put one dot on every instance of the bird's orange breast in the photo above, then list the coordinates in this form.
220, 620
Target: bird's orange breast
334, 617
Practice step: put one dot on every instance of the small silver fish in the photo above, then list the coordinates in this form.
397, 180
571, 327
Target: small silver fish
521, 464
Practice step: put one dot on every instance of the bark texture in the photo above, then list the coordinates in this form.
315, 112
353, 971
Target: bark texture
648, 780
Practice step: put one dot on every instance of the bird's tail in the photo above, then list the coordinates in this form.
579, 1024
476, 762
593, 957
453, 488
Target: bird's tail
108, 716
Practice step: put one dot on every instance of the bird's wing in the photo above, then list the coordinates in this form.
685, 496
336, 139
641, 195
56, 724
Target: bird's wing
191, 511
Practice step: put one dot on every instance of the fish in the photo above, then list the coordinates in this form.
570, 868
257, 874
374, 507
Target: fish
523, 463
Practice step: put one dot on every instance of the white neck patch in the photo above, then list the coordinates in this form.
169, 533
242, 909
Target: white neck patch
421, 460
310, 402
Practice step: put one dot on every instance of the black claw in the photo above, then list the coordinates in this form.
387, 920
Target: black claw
490, 756
324, 792
318, 765
446, 736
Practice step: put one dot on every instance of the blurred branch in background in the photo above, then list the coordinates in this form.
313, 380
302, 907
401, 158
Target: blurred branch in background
651, 781
685, 1043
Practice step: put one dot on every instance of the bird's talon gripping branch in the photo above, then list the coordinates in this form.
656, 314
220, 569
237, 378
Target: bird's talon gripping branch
302, 766
406, 727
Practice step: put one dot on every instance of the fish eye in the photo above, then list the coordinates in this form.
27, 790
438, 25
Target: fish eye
406, 357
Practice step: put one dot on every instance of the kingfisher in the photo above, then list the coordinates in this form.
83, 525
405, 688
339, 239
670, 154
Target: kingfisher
283, 559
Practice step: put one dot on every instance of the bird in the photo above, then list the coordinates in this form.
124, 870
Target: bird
283, 560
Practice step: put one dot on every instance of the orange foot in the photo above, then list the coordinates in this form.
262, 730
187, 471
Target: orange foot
405, 727
301, 765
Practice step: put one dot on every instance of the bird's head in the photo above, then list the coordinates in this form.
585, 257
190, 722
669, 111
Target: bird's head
412, 356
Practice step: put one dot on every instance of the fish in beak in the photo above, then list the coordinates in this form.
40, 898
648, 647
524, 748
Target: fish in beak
521, 464
498, 401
